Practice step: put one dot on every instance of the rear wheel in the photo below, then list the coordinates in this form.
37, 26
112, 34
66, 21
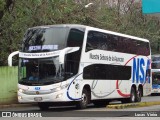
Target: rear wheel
84, 100
132, 95
139, 95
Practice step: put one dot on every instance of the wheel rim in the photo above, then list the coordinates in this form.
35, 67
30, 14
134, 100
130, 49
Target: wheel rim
84, 98
139, 95
133, 97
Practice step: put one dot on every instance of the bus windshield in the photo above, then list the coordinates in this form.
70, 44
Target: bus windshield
44, 42
44, 39
155, 62
156, 78
156, 65
40, 71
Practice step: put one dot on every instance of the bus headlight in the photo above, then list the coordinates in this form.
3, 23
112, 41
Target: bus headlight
59, 88
21, 90
19, 97
59, 95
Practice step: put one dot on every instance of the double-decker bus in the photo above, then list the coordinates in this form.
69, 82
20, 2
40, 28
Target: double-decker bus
155, 74
81, 64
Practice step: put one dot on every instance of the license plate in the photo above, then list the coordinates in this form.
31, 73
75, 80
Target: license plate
38, 99
155, 91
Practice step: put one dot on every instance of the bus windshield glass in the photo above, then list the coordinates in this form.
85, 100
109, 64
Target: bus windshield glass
156, 78
44, 39
155, 62
40, 71
48, 70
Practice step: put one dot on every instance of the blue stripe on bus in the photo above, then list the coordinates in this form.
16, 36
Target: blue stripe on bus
69, 87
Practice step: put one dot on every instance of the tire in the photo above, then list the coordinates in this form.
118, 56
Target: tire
139, 95
43, 106
84, 101
133, 96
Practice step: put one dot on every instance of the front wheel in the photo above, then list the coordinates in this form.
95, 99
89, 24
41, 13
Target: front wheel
84, 100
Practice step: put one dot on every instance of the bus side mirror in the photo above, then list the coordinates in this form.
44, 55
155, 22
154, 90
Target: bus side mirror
65, 51
11, 56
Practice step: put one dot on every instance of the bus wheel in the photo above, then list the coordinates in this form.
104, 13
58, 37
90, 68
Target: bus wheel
139, 95
43, 106
84, 100
133, 95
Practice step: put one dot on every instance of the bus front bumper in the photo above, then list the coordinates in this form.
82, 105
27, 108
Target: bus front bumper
52, 97
157, 90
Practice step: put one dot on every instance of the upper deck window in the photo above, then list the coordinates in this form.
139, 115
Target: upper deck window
75, 38
115, 43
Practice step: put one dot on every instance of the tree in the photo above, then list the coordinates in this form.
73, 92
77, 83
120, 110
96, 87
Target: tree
17, 16
125, 16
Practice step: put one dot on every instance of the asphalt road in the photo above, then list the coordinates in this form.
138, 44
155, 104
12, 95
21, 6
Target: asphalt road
155, 97
89, 112
92, 111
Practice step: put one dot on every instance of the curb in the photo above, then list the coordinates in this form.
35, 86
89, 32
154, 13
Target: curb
133, 105
17, 105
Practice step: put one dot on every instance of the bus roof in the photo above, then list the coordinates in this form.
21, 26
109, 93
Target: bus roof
92, 28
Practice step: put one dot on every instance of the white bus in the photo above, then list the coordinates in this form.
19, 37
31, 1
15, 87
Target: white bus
82, 64
155, 74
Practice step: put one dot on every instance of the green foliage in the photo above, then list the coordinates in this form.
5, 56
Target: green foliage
133, 23
2, 3
22, 14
